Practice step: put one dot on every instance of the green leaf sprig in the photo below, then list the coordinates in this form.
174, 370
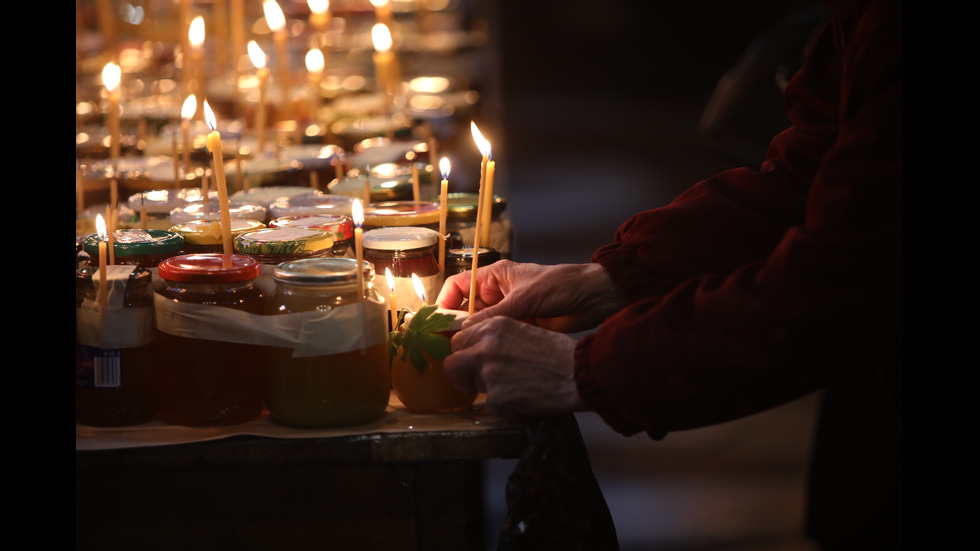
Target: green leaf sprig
422, 334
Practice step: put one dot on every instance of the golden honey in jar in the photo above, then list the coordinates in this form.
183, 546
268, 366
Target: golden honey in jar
113, 347
209, 370
406, 251
335, 373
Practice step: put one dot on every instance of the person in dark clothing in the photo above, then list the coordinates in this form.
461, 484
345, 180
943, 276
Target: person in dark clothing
751, 289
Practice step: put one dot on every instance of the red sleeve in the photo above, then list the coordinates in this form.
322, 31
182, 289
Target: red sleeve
756, 287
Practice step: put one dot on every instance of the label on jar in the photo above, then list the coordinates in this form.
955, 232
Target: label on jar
99, 367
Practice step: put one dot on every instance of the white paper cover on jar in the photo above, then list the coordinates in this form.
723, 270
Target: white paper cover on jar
113, 326
341, 329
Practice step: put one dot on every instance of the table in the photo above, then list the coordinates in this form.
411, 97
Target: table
405, 482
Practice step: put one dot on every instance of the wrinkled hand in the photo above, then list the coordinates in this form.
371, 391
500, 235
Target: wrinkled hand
524, 370
563, 297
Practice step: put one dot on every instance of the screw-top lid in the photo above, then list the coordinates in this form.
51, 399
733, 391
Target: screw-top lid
400, 238
322, 271
138, 242
208, 232
210, 268
283, 241
341, 227
401, 213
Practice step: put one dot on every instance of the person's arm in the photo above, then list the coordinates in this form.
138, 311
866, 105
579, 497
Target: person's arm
743, 303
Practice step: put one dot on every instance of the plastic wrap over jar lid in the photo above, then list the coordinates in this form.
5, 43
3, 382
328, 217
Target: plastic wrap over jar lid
212, 211
323, 271
400, 238
138, 242
311, 204
208, 232
210, 268
283, 241
341, 227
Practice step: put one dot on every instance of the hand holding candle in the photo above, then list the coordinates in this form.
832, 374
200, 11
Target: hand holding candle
484, 147
214, 146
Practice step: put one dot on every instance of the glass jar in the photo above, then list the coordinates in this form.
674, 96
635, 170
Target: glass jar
204, 236
113, 347
144, 248
406, 251
209, 371
275, 245
340, 227
461, 259
210, 210
337, 372
158, 203
426, 388
388, 214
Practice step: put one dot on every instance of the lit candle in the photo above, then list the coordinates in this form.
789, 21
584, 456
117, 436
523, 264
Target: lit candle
319, 14
386, 67
314, 66
393, 309
195, 38
100, 229
187, 112
111, 75
443, 212
484, 147
357, 215
237, 32
258, 58
488, 199
419, 289
214, 146
276, 21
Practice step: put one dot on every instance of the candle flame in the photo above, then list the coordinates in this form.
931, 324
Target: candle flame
481, 143
195, 34
273, 15
419, 289
110, 76
378, 3
357, 213
209, 116
189, 108
381, 37
256, 55
318, 6
444, 168
100, 228
391, 280
314, 61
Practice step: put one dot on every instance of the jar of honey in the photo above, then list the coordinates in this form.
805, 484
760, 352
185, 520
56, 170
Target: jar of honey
461, 259
340, 227
275, 245
113, 347
387, 214
204, 236
145, 248
209, 370
406, 251
336, 372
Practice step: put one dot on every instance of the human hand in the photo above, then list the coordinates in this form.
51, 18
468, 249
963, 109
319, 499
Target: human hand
524, 370
563, 297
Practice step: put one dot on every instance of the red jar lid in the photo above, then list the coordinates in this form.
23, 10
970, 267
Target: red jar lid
210, 268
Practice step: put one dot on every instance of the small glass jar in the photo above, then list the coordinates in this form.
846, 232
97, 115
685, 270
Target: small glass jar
114, 348
158, 203
406, 251
275, 245
461, 259
209, 371
145, 248
341, 380
340, 227
204, 236
210, 210
422, 214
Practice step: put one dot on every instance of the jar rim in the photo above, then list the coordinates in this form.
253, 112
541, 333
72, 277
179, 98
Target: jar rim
322, 271
210, 268
400, 238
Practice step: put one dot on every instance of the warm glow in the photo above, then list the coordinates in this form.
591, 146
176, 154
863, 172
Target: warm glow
314, 61
256, 54
357, 213
273, 15
100, 228
319, 6
110, 76
432, 85
381, 37
419, 289
391, 280
379, 3
189, 108
444, 168
482, 144
209, 116
196, 32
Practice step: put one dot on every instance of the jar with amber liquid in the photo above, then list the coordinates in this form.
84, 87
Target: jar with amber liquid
335, 372
210, 372
113, 347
